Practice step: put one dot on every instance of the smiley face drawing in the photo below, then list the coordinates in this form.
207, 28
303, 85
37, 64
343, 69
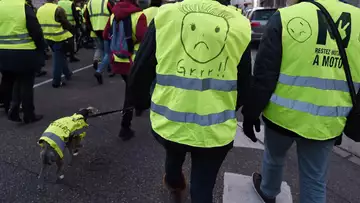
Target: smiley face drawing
299, 29
203, 35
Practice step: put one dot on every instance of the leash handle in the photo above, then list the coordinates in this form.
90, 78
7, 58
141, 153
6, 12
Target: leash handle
110, 112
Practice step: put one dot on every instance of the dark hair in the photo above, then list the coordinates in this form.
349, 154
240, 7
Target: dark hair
156, 3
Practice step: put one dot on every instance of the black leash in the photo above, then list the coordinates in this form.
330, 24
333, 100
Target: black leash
110, 112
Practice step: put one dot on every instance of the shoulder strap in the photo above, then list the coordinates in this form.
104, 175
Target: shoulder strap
337, 36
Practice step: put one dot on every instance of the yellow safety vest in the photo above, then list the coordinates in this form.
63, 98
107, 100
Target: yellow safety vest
13, 31
150, 14
134, 20
99, 14
312, 97
67, 6
199, 44
52, 29
59, 131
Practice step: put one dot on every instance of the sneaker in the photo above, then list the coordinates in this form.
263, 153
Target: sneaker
256, 179
95, 65
111, 75
13, 115
58, 85
41, 73
126, 134
32, 119
176, 194
98, 77
69, 77
74, 59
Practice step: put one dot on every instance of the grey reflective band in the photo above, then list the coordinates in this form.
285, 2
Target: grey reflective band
318, 83
90, 8
330, 111
17, 41
55, 34
102, 13
59, 142
196, 84
51, 25
21, 36
202, 120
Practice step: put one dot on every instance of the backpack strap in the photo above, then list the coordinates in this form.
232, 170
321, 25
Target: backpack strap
128, 33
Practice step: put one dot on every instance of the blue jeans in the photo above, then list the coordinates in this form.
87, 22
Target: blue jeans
313, 160
105, 62
99, 52
60, 64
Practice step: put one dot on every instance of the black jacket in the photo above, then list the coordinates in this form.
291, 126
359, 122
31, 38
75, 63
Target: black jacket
143, 72
26, 60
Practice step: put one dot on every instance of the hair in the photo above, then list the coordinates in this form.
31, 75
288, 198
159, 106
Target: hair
156, 3
205, 8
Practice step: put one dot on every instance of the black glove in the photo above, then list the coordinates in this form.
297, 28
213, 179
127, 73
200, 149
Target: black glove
248, 128
139, 112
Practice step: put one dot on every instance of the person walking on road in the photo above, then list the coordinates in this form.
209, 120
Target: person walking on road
21, 56
57, 30
73, 17
128, 14
198, 51
303, 96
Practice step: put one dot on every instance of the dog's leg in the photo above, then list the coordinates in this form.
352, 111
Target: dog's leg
71, 156
60, 169
41, 177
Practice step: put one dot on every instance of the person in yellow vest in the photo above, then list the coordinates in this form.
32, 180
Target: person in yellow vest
301, 90
198, 51
153, 9
57, 30
73, 17
21, 56
97, 14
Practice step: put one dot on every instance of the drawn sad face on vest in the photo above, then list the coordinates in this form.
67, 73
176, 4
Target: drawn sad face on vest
203, 35
299, 29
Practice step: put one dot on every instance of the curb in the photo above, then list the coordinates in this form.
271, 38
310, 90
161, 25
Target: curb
346, 154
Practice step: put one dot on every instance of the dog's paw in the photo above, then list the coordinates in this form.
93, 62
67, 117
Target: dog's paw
61, 177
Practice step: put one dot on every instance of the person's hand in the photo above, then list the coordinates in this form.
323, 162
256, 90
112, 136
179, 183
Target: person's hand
248, 128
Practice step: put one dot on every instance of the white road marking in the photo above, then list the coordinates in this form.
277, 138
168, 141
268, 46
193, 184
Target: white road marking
50, 80
239, 189
242, 141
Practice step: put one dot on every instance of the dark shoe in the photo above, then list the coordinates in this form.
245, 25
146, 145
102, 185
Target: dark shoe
256, 178
33, 119
99, 78
95, 65
69, 77
58, 85
126, 133
2, 105
176, 194
111, 75
74, 59
41, 73
13, 115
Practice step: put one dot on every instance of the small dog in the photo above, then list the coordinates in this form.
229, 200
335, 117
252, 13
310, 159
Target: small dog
62, 133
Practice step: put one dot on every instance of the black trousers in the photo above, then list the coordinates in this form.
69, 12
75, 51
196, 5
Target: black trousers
6, 88
127, 115
205, 165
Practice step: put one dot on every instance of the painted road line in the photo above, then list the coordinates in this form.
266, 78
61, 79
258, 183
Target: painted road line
242, 141
239, 189
50, 80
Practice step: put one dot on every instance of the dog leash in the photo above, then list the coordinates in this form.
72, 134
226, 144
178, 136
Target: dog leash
110, 112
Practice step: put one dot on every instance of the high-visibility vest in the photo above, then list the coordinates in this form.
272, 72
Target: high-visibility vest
59, 131
52, 29
99, 14
67, 6
13, 31
199, 44
150, 13
312, 96
134, 20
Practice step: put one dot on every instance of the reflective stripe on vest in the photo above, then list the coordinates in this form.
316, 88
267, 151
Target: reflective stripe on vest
99, 14
52, 30
312, 96
59, 142
67, 6
13, 32
199, 45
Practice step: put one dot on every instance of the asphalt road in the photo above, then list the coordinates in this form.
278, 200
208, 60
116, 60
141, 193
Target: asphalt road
109, 170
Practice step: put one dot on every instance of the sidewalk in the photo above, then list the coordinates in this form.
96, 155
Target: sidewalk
350, 146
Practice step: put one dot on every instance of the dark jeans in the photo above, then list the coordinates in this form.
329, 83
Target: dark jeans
18, 87
6, 88
205, 165
127, 115
60, 64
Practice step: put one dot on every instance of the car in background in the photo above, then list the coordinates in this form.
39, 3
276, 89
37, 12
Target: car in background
258, 18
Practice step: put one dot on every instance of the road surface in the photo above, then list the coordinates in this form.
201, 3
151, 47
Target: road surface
109, 170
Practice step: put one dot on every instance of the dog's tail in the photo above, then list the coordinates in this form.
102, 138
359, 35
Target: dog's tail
47, 155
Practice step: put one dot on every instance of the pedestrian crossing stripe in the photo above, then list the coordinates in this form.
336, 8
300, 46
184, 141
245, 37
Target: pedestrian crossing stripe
242, 141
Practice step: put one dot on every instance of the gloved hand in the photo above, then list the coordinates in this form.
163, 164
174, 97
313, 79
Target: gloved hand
248, 128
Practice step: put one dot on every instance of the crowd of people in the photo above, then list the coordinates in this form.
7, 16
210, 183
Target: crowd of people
190, 63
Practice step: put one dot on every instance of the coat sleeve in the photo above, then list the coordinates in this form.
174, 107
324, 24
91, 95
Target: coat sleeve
141, 28
34, 28
266, 69
60, 16
76, 15
143, 72
244, 78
